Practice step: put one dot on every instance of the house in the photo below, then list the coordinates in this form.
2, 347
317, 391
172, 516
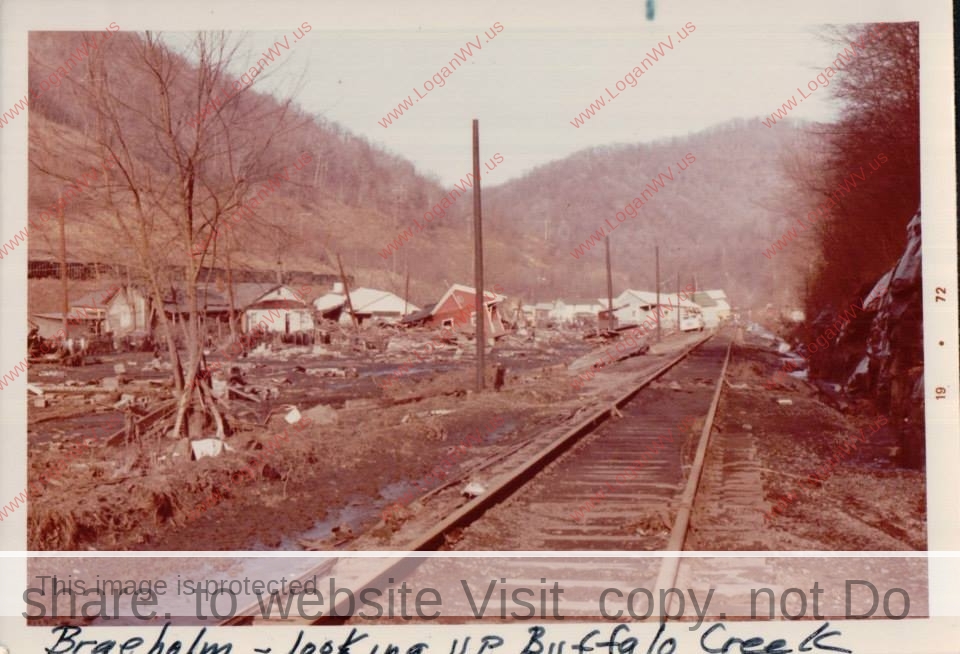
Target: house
715, 306
633, 307
86, 315
457, 309
367, 304
542, 312
128, 312
584, 311
50, 324
280, 309
529, 313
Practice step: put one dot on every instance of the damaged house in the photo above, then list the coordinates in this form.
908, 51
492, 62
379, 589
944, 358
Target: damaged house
277, 306
457, 309
634, 307
367, 303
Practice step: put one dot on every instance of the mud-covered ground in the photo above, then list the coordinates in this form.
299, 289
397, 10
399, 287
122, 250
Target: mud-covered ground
328, 482
321, 484
778, 438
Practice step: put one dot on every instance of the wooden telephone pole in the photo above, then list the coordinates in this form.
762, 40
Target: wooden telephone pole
610, 326
346, 291
678, 302
65, 305
656, 250
406, 289
478, 258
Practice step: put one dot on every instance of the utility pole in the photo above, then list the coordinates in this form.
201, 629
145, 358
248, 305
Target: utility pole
65, 303
346, 290
479, 295
610, 326
678, 302
656, 250
406, 290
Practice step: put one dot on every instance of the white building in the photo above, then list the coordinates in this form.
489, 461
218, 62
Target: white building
570, 312
263, 308
715, 306
633, 307
367, 304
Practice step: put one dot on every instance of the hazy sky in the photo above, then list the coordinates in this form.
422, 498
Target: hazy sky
526, 86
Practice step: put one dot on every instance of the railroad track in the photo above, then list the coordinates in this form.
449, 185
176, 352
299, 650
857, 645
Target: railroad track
630, 467
591, 467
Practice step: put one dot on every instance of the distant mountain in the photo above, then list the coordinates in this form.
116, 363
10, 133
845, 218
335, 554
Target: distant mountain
712, 221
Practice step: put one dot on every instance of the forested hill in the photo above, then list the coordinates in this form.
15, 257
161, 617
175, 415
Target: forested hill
713, 221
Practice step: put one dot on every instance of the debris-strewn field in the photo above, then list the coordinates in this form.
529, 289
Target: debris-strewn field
318, 449
352, 446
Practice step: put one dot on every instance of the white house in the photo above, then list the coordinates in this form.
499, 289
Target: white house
128, 312
570, 312
633, 307
279, 309
367, 304
715, 306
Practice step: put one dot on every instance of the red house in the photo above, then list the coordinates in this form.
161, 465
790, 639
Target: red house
457, 310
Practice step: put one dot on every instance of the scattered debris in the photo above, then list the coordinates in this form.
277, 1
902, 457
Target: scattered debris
322, 414
208, 447
292, 416
473, 489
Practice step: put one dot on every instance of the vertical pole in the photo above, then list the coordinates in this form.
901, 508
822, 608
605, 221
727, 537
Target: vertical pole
610, 325
65, 302
406, 290
478, 257
678, 302
346, 290
656, 250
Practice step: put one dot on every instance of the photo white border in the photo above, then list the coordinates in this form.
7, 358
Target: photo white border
938, 179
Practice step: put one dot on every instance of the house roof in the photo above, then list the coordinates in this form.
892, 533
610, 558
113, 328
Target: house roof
366, 300
247, 293
97, 300
704, 300
212, 299
329, 301
418, 316
370, 300
489, 296
640, 297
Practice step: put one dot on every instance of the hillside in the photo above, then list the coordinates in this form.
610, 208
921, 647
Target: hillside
712, 222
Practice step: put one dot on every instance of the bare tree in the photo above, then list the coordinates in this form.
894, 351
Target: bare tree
171, 182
